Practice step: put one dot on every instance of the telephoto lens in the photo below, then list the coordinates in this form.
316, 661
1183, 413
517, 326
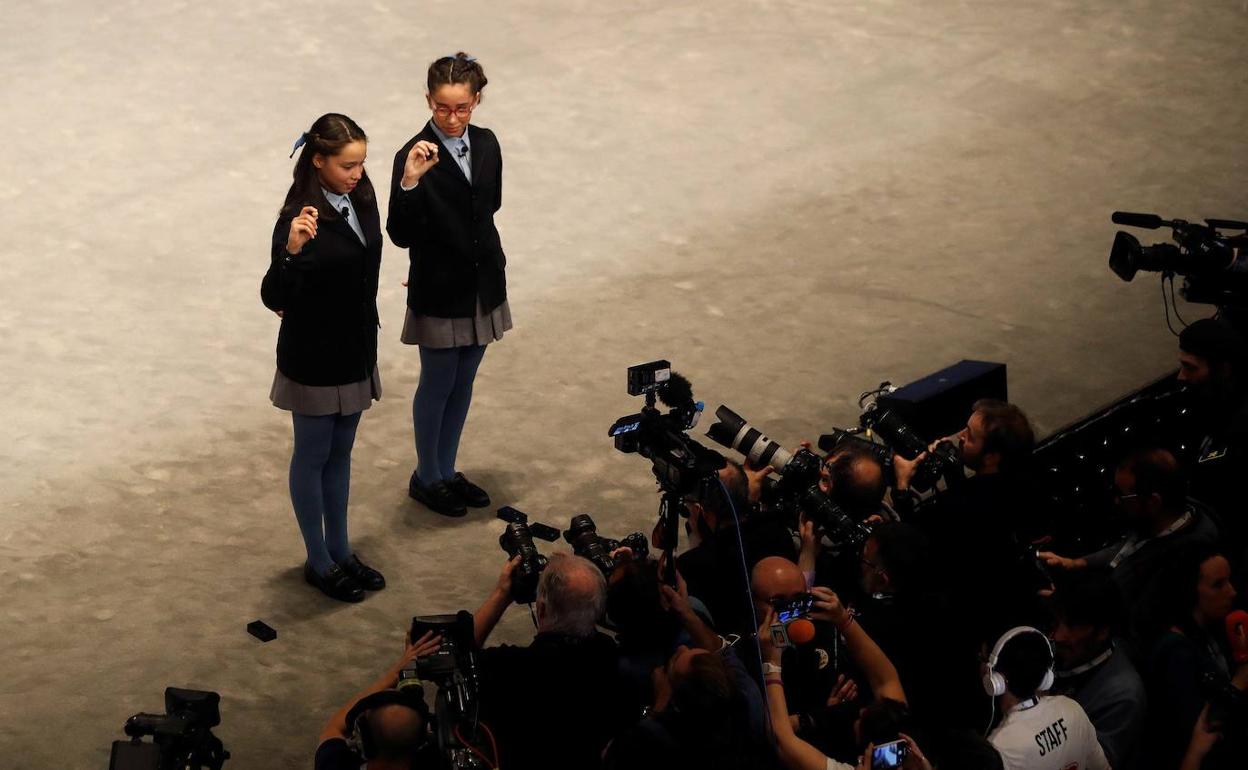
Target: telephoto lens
731, 430
841, 529
582, 535
516, 540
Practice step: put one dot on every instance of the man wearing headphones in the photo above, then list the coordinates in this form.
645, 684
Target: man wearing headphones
381, 728
1037, 732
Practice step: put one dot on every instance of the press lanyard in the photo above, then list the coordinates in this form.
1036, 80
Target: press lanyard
1132, 545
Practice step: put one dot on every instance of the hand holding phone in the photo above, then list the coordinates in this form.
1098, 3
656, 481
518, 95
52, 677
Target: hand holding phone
889, 756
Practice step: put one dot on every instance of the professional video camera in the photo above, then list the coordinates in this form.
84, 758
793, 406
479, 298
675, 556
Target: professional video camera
582, 535
798, 487
681, 465
1213, 272
453, 669
517, 540
181, 737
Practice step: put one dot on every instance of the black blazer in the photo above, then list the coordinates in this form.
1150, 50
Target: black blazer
447, 225
328, 296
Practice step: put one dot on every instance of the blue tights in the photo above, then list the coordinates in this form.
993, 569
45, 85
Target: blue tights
440, 408
320, 481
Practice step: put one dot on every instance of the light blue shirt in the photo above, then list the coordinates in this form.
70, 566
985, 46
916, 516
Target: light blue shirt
460, 149
341, 202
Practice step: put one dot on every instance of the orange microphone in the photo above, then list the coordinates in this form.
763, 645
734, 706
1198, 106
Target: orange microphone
1237, 635
792, 626
800, 631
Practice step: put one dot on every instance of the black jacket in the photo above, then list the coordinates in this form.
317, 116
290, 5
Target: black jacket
328, 296
447, 225
556, 703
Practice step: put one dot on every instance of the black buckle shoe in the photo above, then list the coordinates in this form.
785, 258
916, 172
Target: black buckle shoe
470, 493
336, 584
437, 497
366, 576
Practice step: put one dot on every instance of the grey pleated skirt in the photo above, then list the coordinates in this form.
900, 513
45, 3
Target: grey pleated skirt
433, 332
321, 400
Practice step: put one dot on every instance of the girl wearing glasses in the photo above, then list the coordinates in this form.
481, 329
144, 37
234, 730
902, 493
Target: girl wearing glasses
322, 282
446, 185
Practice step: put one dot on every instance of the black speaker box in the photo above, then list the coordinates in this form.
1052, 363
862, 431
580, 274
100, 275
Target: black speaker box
939, 404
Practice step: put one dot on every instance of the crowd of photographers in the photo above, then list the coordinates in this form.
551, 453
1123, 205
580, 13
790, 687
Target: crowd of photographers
878, 624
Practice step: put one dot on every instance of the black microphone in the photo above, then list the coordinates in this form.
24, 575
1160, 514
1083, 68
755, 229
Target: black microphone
1147, 221
463, 151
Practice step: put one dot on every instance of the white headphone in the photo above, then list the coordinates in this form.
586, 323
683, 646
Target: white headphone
994, 683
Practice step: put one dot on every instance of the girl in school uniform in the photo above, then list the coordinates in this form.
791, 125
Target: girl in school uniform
322, 282
447, 183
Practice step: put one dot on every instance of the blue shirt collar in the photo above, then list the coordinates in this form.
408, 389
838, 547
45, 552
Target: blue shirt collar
450, 141
337, 200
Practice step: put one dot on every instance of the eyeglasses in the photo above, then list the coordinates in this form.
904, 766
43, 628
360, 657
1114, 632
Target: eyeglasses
462, 111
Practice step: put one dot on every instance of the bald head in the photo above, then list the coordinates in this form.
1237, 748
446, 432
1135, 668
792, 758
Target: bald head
854, 478
571, 596
775, 577
396, 731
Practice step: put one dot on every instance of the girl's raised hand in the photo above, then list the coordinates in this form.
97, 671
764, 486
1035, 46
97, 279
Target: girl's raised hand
422, 157
302, 230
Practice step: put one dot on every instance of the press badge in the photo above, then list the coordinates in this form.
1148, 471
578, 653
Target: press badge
1213, 453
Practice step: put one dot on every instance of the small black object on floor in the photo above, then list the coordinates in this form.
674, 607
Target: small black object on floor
261, 630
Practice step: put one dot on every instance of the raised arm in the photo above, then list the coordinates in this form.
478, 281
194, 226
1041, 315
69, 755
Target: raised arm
880, 672
492, 609
337, 726
406, 212
794, 753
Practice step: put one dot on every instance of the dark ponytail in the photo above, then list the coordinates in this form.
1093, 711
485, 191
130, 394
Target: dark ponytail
327, 136
460, 68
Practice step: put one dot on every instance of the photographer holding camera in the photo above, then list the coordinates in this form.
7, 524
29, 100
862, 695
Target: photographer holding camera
815, 678
707, 712
878, 722
980, 526
853, 477
558, 701
713, 565
643, 612
380, 728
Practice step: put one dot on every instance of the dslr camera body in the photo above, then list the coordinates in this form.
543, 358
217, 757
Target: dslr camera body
582, 535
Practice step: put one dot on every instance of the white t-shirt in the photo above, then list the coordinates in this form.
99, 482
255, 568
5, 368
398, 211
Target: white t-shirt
1052, 733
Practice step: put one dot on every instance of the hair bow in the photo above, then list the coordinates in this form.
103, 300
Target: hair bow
301, 141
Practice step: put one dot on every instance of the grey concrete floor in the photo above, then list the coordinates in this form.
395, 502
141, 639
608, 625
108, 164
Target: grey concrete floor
791, 200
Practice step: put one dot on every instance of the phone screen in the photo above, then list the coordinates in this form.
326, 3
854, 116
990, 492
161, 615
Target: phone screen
888, 756
794, 608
